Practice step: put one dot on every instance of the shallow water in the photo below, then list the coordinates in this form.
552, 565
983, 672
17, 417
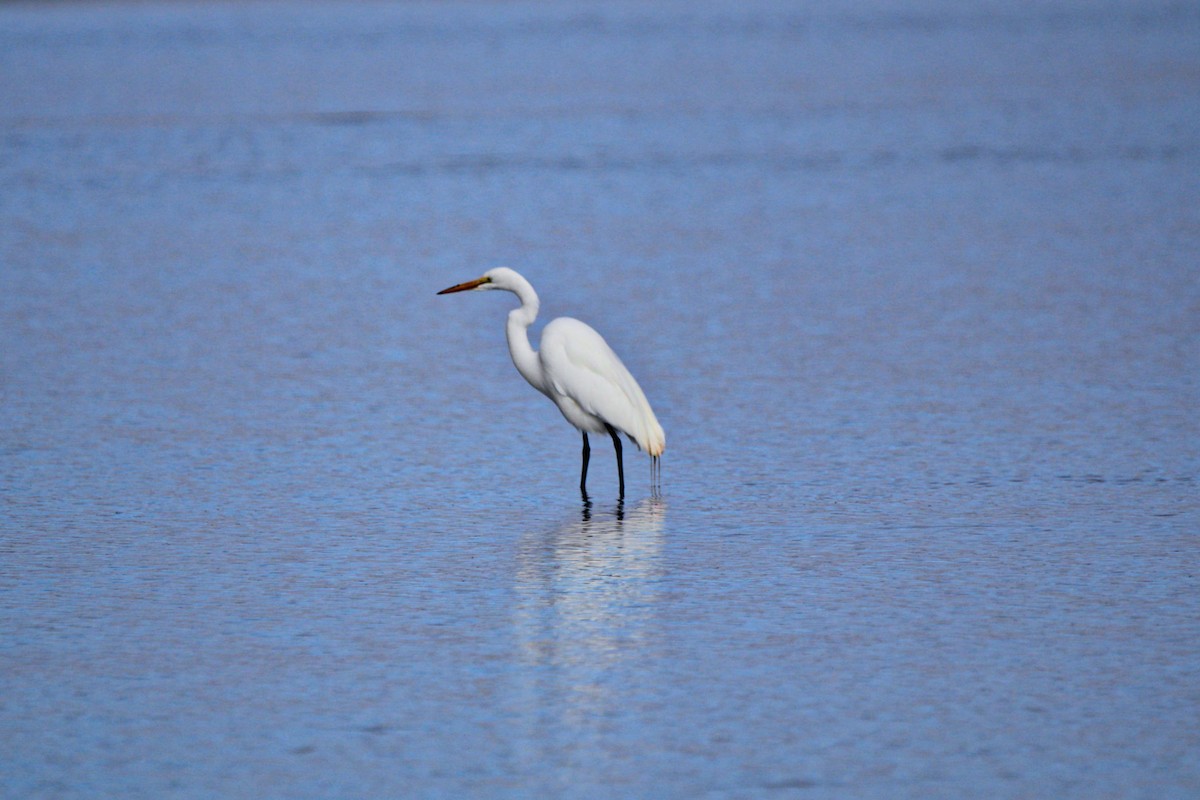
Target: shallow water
912, 289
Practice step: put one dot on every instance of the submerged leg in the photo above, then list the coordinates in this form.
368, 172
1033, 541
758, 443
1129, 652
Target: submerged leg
587, 454
620, 463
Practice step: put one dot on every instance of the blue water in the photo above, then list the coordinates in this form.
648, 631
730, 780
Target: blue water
912, 288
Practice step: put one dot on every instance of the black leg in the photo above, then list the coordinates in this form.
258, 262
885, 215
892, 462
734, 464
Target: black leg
620, 463
587, 454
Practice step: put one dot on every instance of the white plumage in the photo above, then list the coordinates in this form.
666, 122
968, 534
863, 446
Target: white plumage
578, 371
590, 385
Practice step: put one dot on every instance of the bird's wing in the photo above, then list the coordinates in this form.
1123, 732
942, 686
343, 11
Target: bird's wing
579, 364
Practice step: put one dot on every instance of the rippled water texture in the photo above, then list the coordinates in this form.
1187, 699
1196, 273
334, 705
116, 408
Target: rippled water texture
912, 288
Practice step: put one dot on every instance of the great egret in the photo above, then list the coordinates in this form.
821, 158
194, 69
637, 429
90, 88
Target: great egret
579, 372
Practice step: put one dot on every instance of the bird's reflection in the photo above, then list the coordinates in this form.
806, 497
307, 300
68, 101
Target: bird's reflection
586, 513
585, 599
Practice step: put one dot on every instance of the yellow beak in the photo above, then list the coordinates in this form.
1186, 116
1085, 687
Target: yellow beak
462, 287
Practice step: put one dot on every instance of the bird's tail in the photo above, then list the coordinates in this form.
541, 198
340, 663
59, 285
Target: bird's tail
656, 440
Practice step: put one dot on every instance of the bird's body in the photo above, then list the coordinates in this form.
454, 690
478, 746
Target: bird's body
592, 388
578, 371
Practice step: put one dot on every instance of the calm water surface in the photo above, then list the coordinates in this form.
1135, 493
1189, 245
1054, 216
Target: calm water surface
912, 287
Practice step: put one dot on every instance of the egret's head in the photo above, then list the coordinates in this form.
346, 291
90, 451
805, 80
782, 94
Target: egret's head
498, 278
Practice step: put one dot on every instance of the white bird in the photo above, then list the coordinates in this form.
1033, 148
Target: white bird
579, 372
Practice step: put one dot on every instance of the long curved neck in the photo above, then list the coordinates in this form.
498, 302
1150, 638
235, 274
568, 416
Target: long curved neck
524, 357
